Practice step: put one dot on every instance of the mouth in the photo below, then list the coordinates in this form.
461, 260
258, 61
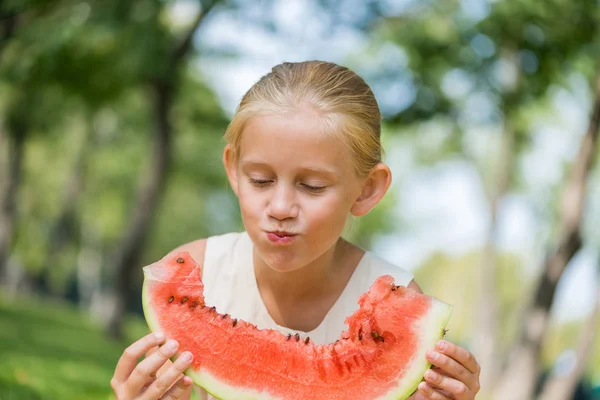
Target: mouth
281, 233
280, 237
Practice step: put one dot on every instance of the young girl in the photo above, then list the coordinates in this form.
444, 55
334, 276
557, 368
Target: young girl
303, 152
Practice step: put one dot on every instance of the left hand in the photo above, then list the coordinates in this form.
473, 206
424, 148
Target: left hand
454, 376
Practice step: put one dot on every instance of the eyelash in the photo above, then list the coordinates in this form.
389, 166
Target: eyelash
259, 182
315, 189
310, 188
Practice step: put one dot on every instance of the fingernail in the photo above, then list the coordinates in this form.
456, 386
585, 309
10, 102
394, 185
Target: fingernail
159, 336
432, 354
441, 345
187, 356
172, 344
425, 389
431, 375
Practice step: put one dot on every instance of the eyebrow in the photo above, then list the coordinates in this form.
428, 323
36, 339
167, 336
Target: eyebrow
314, 170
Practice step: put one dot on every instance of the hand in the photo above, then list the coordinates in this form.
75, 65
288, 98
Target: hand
155, 377
455, 374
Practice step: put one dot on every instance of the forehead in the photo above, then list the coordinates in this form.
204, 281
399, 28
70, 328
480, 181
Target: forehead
300, 139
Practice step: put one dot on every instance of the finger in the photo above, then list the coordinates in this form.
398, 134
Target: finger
169, 377
179, 390
151, 351
457, 389
163, 367
130, 356
460, 354
146, 370
429, 392
452, 368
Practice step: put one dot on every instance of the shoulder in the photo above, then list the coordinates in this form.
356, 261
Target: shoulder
379, 267
414, 286
200, 248
196, 249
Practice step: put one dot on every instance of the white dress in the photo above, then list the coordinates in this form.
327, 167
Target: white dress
230, 286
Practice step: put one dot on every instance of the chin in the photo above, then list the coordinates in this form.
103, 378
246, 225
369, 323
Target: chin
280, 260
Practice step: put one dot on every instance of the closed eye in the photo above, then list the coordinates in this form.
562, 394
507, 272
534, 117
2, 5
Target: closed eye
314, 189
260, 182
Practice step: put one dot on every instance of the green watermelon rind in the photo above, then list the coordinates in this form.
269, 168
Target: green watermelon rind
432, 326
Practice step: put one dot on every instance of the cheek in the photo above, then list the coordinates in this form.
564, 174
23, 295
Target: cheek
328, 217
250, 203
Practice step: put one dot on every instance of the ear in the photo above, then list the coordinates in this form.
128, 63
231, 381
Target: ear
229, 161
373, 190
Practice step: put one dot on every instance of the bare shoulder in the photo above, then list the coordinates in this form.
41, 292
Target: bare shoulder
196, 249
414, 286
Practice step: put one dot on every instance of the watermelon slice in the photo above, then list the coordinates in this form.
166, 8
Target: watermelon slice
380, 356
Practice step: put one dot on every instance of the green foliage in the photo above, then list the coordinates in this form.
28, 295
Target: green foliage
79, 77
481, 73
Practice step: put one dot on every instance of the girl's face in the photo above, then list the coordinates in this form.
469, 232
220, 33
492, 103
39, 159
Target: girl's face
296, 186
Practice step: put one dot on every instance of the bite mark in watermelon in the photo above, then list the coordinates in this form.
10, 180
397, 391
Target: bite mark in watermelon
380, 356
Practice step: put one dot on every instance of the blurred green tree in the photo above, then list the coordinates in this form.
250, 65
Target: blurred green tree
487, 69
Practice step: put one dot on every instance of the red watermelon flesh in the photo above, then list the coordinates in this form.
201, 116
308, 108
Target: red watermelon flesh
380, 356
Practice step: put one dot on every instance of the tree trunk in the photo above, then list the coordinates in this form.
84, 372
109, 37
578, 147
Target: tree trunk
519, 380
64, 228
563, 387
89, 268
486, 337
128, 257
486, 346
8, 25
8, 201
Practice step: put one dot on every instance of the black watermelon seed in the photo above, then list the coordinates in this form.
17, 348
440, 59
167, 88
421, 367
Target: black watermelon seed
297, 336
184, 299
376, 336
288, 336
180, 260
171, 299
224, 316
234, 322
360, 336
306, 340
194, 304
213, 308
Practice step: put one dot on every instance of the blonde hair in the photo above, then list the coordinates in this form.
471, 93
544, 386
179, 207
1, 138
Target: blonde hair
341, 98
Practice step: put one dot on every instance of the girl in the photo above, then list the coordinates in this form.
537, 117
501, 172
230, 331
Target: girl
303, 152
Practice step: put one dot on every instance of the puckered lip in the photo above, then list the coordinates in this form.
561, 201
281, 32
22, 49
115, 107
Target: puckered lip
282, 233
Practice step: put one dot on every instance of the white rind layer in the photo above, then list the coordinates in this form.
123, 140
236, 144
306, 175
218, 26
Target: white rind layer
148, 314
432, 326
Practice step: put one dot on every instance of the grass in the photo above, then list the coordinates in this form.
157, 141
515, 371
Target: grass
50, 350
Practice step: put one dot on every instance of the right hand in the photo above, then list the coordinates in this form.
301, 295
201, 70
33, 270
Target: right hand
155, 377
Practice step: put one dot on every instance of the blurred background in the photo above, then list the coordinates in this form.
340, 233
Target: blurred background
111, 121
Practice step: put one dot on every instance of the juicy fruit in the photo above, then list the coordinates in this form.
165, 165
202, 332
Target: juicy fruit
380, 356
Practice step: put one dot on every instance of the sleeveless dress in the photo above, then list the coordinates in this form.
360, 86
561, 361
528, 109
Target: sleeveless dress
230, 286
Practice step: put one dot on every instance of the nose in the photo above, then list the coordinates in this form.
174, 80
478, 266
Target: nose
282, 204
